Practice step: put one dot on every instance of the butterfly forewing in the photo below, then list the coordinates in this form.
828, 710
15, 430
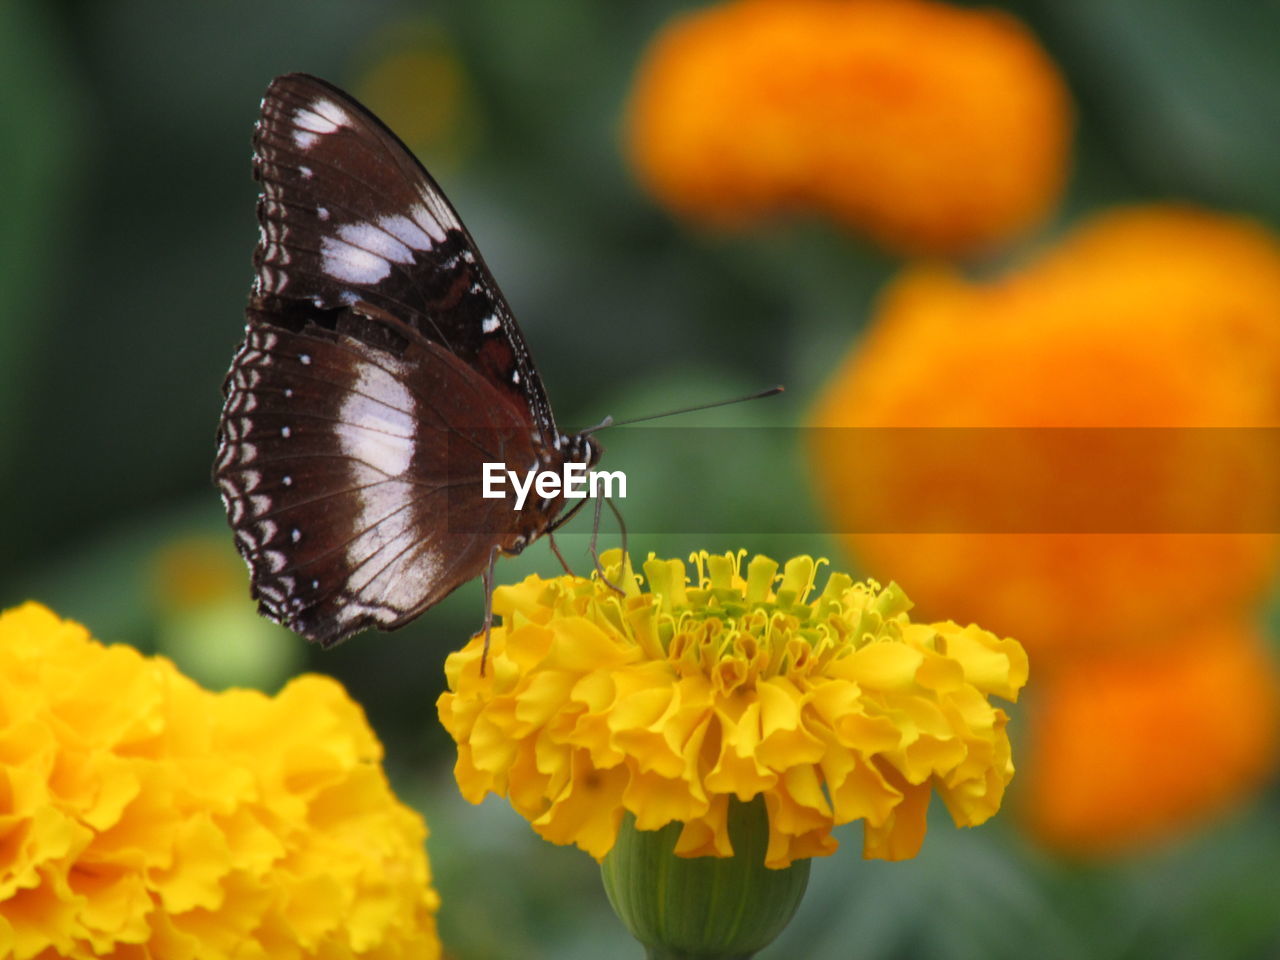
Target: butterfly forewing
381, 368
348, 213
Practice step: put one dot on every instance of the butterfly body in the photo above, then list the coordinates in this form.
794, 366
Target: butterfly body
381, 368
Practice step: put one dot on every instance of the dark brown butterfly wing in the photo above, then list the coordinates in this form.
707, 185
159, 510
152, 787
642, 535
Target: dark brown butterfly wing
340, 468
381, 367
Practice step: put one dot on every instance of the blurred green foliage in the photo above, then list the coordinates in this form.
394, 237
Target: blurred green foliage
127, 231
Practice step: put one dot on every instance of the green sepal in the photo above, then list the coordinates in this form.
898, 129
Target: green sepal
702, 908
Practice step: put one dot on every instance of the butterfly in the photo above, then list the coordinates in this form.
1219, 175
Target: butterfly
381, 367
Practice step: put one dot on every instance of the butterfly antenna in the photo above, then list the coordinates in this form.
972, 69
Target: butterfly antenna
610, 422
551, 541
622, 526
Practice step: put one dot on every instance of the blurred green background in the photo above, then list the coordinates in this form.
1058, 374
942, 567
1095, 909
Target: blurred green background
127, 231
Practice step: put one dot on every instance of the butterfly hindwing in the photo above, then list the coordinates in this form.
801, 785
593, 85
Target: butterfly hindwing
336, 466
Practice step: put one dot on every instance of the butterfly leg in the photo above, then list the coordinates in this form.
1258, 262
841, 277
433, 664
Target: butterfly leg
622, 525
487, 578
551, 541
595, 554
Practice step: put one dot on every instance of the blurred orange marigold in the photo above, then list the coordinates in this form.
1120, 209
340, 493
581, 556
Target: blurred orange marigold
931, 128
1124, 747
1150, 317
143, 816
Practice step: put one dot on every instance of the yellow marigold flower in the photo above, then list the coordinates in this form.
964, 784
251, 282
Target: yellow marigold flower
1146, 317
669, 701
143, 816
930, 127
1128, 747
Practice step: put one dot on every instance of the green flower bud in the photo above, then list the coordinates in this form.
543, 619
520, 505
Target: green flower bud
702, 908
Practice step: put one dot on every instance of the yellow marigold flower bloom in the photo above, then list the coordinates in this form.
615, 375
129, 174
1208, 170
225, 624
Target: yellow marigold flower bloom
1128, 747
1146, 317
932, 128
671, 700
143, 816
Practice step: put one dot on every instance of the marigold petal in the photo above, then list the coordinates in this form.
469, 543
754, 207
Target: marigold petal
992, 665
784, 742
492, 747
739, 770
902, 834
659, 800
588, 810
540, 699
861, 792
885, 666
707, 836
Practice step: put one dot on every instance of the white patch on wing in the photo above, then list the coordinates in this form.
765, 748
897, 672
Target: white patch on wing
343, 261
376, 240
392, 568
490, 324
439, 210
331, 112
378, 432
405, 580
304, 140
407, 231
389, 455
323, 116
427, 221
396, 570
